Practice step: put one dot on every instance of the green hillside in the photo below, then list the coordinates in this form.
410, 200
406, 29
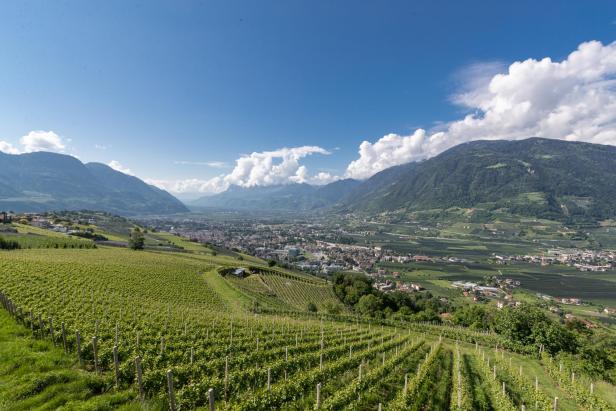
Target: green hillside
251, 340
42, 181
545, 178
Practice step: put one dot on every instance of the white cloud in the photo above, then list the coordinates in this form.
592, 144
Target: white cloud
119, 167
190, 185
100, 147
574, 99
40, 140
36, 140
8, 148
265, 168
212, 164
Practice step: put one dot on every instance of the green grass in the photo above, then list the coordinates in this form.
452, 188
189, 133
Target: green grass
35, 374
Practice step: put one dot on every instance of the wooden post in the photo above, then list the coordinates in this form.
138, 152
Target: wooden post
504, 392
269, 379
459, 388
406, 383
170, 389
139, 377
95, 350
226, 376
210, 396
78, 341
116, 366
318, 396
64, 338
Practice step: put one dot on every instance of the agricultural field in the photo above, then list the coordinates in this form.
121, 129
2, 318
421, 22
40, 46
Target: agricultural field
165, 330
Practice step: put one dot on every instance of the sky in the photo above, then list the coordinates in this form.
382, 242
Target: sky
195, 96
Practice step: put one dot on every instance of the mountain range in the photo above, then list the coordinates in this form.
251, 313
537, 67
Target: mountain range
286, 197
538, 177
43, 181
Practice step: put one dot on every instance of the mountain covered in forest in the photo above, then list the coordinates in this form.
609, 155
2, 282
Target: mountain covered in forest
538, 177
286, 197
43, 181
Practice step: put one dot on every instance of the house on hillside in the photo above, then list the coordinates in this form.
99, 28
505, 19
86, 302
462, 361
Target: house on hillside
240, 272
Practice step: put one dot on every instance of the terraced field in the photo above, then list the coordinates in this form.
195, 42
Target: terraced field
168, 328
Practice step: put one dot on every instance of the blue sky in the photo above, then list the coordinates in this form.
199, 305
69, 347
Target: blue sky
178, 91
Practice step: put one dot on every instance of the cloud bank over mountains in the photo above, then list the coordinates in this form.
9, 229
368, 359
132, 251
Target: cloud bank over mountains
573, 99
265, 168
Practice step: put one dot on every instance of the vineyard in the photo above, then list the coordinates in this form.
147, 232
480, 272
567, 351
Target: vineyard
166, 328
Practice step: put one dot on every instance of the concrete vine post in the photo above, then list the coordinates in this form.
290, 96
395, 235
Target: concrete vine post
95, 351
139, 377
171, 392
116, 366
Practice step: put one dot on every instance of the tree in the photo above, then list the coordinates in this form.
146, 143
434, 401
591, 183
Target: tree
136, 240
312, 307
369, 305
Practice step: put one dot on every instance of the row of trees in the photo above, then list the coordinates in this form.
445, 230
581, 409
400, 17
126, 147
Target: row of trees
356, 292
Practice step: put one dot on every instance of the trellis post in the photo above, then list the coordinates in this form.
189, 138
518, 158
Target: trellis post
95, 351
139, 377
172, 406
116, 366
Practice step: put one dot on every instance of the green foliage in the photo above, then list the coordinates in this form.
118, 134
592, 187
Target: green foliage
8, 244
356, 291
136, 240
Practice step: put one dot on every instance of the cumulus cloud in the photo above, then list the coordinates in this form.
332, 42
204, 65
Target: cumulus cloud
119, 167
40, 140
573, 99
265, 168
36, 140
8, 148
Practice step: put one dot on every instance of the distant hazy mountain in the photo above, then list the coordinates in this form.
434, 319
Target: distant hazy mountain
538, 177
288, 197
48, 181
